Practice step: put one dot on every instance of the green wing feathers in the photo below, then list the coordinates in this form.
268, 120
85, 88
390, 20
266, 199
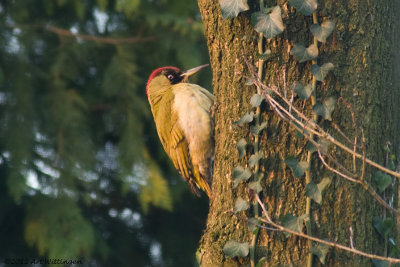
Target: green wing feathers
177, 148
176, 144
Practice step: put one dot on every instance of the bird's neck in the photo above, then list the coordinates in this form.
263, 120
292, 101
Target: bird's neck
158, 94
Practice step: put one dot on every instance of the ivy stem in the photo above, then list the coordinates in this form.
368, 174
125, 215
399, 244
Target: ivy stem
257, 140
309, 155
256, 145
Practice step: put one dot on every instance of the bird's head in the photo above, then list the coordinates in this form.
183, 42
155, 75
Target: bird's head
169, 75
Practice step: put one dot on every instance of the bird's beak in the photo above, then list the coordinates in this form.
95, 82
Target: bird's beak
192, 71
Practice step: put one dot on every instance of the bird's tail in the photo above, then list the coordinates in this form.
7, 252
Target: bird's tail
201, 182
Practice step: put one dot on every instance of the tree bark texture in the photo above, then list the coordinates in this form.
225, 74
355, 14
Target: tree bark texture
364, 49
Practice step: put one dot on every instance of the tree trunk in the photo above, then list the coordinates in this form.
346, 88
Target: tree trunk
363, 50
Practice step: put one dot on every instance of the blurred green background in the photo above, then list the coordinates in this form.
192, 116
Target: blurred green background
82, 172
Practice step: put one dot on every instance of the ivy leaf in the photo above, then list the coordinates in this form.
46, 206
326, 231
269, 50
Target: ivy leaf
322, 32
261, 261
250, 81
247, 118
324, 183
306, 7
383, 226
314, 191
382, 180
233, 248
231, 8
256, 186
304, 92
303, 54
310, 147
256, 100
320, 250
252, 224
241, 147
254, 159
269, 22
321, 72
293, 223
256, 129
323, 143
325, 108
240, 174
297, 167
240, 205
300, 134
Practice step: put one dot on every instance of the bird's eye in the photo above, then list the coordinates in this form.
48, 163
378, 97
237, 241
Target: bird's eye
170, 77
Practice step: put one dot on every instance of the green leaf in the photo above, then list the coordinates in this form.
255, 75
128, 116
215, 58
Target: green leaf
252, 224
155, 191
62, 232
269, 22
297, 167
293, 223
254, 159
240, 205
320, 250
314, 191
379, 263
231, 8
393, 249
241, 147
261, 261
256, 129
306, 7
304, 54
250, 81
304, 92
391, 164
300, 134
324, 183
321, 72
240, 174
102, 4
325, 108
323, 143
322, 32
128, 6
233, 248
310, 147
256, 186
256, 100
383, 226
248, 117
382, 180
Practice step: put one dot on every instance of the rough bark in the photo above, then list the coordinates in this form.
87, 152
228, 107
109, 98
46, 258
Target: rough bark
363, 48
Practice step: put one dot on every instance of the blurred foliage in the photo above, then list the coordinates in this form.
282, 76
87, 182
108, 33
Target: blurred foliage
82, 172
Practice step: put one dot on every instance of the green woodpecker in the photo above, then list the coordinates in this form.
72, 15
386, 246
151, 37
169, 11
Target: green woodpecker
181, 111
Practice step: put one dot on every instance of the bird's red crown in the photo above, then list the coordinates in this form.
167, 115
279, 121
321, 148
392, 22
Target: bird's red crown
157, 72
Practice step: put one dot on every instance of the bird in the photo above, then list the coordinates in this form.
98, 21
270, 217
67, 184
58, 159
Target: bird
182, 115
